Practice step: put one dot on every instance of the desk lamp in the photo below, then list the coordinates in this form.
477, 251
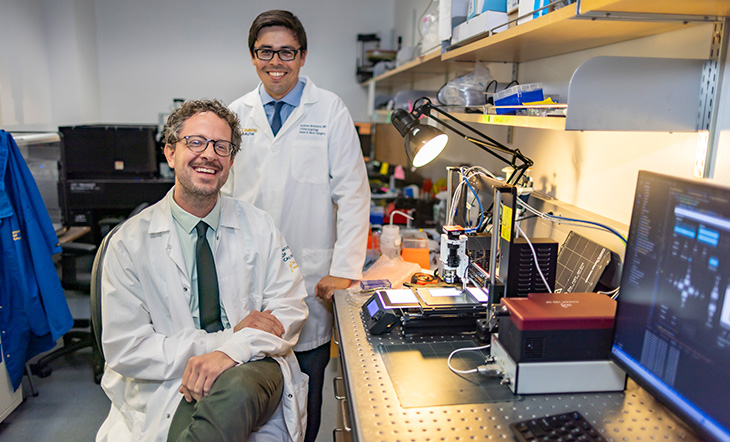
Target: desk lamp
423, 143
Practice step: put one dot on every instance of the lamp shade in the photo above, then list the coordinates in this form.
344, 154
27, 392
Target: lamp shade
423, 143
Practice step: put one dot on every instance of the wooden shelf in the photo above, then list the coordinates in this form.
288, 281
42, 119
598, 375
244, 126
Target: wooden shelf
716, 8
560, 32
555, 123
428, 64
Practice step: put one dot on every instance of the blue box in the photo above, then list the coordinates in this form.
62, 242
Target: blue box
476, 7
518, 95
370, 284
377, 215
495, 5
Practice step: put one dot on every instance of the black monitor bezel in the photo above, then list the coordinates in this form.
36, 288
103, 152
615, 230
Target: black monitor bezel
641, 378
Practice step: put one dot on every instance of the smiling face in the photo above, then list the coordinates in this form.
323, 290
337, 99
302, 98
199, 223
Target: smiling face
199, 176
279, 77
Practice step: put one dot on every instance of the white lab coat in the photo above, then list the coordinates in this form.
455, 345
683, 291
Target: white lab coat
148, 331
311, 178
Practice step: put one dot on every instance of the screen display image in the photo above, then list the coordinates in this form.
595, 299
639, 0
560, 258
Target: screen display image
373, 307
673, 319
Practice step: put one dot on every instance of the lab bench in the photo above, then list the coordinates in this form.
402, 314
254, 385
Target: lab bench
370, 408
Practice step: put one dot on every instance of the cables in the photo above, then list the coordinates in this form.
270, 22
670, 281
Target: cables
612, 293
571, 221
466, 175
457, 371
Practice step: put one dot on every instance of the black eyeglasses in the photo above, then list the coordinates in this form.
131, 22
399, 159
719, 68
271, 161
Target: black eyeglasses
284, 54
198, 143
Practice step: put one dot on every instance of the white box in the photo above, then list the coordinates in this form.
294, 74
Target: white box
512, 6
478, 25
527, 6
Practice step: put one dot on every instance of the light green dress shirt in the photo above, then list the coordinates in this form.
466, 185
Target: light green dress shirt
185, 225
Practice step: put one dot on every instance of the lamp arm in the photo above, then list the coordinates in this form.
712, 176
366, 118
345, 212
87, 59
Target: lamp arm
428, 106
488, 146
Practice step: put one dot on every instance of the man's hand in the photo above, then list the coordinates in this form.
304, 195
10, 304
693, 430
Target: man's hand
201, 372
263, 321
326, 286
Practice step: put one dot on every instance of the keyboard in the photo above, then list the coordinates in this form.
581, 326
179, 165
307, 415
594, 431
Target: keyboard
570, 426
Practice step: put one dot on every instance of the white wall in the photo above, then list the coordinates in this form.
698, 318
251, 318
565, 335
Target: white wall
153, 51
91, 61
25, 94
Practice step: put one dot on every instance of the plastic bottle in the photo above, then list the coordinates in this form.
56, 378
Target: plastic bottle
390, 241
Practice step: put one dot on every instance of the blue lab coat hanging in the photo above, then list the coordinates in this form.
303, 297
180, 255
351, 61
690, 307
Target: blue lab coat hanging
33, 309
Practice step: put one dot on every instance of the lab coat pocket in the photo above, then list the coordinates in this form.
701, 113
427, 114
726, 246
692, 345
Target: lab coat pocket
315, 263
300, 390
135, 421
310, 162
237, 307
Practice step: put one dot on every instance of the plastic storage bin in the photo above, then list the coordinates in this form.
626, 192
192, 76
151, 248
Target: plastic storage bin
415, 248
518, 95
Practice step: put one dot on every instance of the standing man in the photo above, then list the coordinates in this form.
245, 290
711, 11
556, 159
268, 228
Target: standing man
202, 303
301, 162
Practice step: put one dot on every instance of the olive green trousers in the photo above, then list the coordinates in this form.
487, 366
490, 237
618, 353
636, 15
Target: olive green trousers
241, 400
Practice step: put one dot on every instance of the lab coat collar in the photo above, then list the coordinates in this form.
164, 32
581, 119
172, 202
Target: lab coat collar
309, 95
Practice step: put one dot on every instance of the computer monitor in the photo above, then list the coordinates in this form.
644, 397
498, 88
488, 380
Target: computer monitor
672, 332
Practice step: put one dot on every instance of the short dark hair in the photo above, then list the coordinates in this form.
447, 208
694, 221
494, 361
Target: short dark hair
179, 116
277, 17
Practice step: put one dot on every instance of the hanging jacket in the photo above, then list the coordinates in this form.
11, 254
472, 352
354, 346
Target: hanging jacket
33, 309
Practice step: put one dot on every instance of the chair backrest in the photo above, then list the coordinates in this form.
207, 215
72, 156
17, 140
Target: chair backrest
95, 294
96, 274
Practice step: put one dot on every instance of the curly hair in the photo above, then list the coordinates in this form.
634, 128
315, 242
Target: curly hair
179, 116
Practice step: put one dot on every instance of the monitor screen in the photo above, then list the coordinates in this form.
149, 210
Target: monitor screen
672, 331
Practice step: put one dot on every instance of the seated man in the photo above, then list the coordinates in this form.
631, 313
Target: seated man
202, 304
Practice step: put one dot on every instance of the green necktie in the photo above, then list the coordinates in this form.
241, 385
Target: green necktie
208, 299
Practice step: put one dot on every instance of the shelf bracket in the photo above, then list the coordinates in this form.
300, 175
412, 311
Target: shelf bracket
710, 89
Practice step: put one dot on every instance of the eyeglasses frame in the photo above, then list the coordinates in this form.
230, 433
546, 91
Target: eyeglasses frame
186, 139
276, 53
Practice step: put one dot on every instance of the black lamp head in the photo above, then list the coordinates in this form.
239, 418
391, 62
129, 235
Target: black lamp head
423, 143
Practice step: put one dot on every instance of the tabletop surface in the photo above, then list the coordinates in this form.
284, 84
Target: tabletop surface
377, 414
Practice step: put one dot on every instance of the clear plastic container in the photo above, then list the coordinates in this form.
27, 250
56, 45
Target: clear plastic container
390, 241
